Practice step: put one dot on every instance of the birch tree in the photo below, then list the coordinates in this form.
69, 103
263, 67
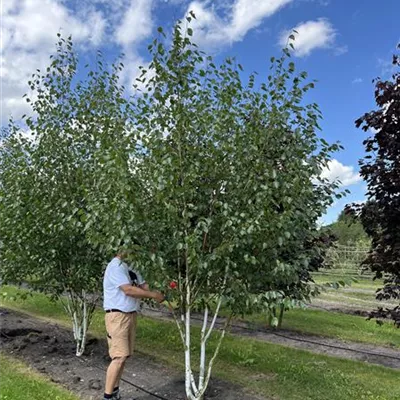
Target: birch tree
228, 174
55, 179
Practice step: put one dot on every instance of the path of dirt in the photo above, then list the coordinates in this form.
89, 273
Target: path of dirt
48, 348
388, 357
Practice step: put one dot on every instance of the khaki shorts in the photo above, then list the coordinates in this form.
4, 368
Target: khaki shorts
121, 332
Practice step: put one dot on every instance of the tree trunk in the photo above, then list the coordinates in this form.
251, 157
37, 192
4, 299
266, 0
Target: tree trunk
271, 317
80, 309
282, 310
193, 391
80, 325
203, 349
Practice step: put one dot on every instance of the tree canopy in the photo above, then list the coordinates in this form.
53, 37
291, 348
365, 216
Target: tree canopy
227, 171
213, 179
380, 169
348, 230
57, 170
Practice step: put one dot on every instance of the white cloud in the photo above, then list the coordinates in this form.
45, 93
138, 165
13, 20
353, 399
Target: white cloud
33, 22
213, 31
29, 29
344, 173
248, 14
312, 35
356, 80
137, 23
96, 19
131, 72
208, 27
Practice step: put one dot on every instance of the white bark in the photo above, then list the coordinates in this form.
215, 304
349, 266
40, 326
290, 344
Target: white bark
190, 385
77, 308
193, 391
83, 326
210, 329
210, 365
203, 341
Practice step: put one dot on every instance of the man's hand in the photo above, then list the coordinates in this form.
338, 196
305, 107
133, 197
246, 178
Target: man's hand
139, 293
159, 297
144, 286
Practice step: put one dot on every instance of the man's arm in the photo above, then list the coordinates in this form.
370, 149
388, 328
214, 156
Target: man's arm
141, 282
140, 293
144, 286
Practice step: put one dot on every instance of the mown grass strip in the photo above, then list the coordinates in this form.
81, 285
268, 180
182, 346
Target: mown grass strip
354, 299
339, 326
359, 283
18, 382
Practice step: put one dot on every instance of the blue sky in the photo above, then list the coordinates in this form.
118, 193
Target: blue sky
343, 44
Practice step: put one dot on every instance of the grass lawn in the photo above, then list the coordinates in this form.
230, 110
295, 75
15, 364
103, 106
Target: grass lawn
348, 297
354, 295
336, 324
19, 382
339, 326
360, 282
360, 295
273, 371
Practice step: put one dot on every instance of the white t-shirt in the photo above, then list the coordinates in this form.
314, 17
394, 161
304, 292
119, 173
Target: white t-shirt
116, 275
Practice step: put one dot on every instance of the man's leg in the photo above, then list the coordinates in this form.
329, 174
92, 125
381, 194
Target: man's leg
119, 377
116, 385
131, 335
118, 327
114, 373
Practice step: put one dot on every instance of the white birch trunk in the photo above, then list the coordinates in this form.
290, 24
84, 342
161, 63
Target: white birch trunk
77, 309
190, 385
203, 350
82, 328
193, 391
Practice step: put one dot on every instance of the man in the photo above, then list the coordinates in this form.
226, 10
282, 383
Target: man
122, 290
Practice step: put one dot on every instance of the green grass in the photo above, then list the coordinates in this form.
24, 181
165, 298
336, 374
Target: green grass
19, 382
369, 296
273, 371
342, 326
357, 295
361, 282
281, 372
348, 297
336, 325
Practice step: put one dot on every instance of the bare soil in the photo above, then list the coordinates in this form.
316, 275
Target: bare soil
49, 349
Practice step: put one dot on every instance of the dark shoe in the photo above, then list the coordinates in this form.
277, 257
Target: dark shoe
116, 395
